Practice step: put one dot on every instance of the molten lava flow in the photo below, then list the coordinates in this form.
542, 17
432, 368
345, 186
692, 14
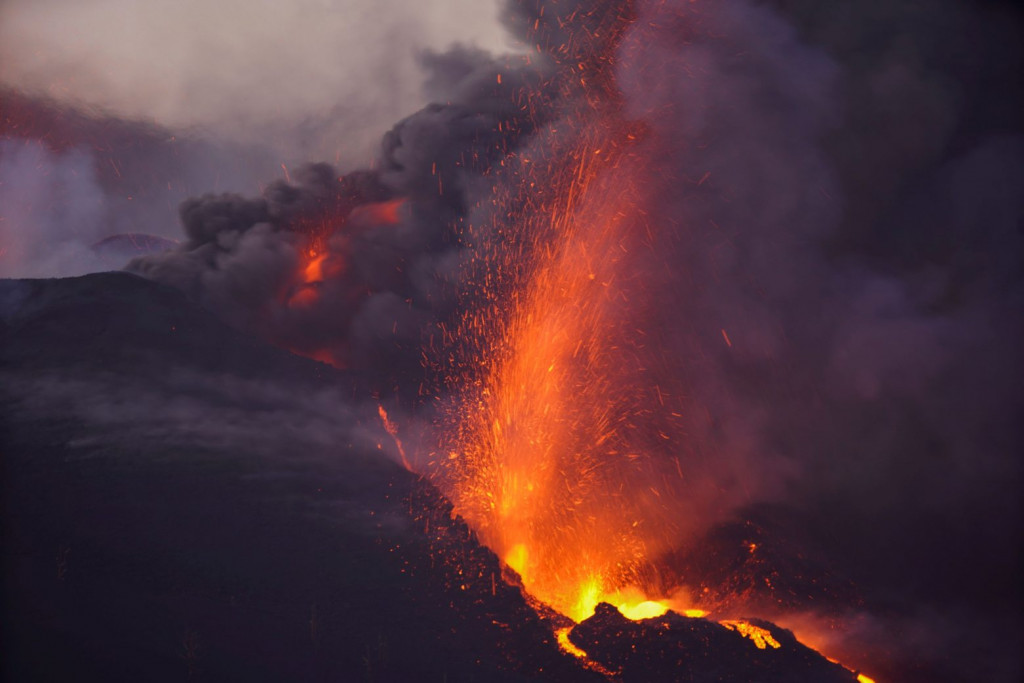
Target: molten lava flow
569, 647
392, 429
563, 641
762, 637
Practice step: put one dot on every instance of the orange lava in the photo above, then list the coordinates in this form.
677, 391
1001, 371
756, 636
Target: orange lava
546, 460
392, 429
553, 454
314, 270
762, 638
562, 635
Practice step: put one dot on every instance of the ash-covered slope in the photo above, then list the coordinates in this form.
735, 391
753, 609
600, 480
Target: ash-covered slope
184, 503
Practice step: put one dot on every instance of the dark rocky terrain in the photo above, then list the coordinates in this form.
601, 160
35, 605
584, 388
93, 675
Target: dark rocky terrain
183, 503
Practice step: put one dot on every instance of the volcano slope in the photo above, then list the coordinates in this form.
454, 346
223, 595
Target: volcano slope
183, 502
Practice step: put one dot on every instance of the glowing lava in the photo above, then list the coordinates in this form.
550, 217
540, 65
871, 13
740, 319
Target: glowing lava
561, 445
551, 460
555, 450
563, 641
762, 637
392, 429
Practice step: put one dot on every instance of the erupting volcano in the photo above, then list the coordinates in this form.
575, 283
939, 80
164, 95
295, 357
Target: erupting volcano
638, 353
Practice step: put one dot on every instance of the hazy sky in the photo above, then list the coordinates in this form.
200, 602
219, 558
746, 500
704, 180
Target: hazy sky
318, 70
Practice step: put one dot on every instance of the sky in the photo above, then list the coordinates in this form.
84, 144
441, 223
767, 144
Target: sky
297, 72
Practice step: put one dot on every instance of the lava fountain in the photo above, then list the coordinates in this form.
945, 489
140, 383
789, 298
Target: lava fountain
559, 452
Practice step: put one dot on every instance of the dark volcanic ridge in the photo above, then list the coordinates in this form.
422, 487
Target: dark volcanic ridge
175, 508
182, 501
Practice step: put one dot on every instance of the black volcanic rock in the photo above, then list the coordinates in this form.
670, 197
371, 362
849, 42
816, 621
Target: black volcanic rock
677, 648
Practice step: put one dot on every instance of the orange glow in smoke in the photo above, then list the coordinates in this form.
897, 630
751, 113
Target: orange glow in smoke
379, 213
306, 291
324, 356
314, 270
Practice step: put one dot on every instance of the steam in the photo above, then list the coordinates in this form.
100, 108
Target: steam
84, 192
53, 209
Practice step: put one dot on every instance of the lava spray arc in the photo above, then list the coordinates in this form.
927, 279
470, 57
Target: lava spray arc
549, 452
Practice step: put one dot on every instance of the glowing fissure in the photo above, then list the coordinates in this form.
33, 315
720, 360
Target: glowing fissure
392, 429
761, 637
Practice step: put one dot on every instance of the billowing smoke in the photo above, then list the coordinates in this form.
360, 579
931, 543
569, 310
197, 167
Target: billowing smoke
351, 269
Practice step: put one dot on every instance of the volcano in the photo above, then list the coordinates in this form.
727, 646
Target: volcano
680, 342
195, 518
